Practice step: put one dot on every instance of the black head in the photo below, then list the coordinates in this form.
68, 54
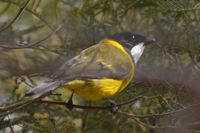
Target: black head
129, 40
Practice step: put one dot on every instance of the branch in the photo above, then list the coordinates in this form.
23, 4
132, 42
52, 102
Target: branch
32, 45
10, 125
120, 105
158, 115
88, 107
37, 16
12, 108
17, 16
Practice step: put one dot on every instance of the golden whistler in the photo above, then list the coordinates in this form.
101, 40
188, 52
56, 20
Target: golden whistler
100, 71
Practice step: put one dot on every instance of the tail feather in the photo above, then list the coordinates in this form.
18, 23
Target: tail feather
42, 89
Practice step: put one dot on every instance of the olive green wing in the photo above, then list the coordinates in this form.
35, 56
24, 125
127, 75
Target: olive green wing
98, 61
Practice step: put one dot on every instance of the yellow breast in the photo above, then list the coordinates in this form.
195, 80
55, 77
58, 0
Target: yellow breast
95, 89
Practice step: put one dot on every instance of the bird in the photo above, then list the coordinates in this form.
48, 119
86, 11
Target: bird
101, 70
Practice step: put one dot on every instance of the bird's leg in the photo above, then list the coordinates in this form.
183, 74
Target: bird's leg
69, 103
114, 108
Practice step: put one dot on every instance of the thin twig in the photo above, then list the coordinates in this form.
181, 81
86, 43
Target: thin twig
158, 115
10, 125
37, 16
35, 44
10, 109
15, 18
161, 126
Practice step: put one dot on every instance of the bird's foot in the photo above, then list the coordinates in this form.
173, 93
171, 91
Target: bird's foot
114, 108
69, 103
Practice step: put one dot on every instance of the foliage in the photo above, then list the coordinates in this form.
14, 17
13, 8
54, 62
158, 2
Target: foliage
37, 36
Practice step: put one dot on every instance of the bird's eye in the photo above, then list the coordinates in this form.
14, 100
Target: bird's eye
133, 37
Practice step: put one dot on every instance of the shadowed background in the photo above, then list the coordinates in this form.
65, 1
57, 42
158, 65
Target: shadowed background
34, 43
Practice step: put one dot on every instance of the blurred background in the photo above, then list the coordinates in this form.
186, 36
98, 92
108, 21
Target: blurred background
37, 36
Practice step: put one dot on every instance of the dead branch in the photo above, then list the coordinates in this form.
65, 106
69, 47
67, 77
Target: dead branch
16, 16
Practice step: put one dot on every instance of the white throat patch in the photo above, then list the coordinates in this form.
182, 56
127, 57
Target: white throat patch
137, 51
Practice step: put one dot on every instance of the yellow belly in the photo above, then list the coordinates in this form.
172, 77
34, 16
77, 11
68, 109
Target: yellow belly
95, 89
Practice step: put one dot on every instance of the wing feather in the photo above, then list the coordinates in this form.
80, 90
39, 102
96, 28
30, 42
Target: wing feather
99, 61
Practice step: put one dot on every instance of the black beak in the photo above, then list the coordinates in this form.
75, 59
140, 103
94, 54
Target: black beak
149, 41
